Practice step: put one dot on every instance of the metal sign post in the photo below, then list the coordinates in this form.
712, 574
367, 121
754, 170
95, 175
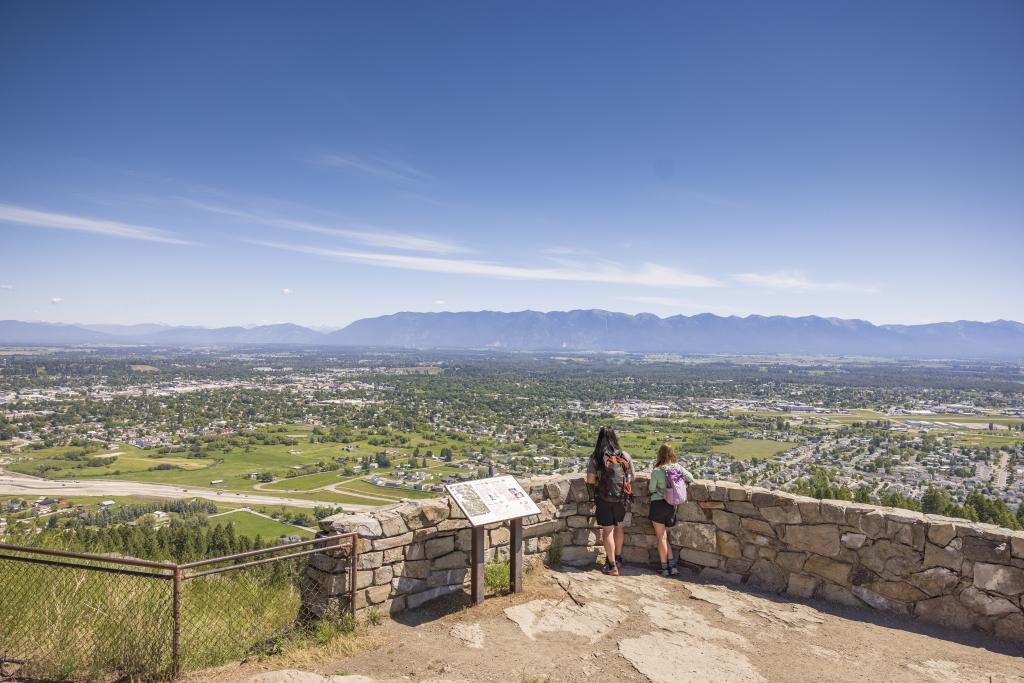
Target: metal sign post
476, 563
515, 556
515, 561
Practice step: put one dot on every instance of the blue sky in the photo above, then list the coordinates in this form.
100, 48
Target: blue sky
241, 163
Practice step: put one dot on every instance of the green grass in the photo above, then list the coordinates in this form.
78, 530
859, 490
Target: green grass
359, 486
306, 482
986, 439
248, 524
336, 498
85, 625
232, 468
496, 576
745, 449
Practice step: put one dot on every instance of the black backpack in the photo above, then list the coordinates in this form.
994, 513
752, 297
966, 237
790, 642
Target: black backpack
616, 481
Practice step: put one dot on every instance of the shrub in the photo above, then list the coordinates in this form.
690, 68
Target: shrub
496, 576
555, 552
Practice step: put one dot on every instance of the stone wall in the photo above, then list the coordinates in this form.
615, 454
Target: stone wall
941, 570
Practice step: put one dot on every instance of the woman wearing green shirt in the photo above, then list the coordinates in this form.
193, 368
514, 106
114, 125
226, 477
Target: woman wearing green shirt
663, 514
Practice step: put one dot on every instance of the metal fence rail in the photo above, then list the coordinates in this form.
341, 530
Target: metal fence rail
67, 615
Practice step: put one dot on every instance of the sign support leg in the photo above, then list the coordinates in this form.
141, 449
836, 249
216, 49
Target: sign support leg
515, 559
476, 563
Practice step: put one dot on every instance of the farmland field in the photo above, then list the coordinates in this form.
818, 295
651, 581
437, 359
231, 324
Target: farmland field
366, 487
252, 525
307, 482
745, 449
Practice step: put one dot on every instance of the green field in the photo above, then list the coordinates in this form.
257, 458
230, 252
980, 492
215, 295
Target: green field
745, 449
359, 486
306, 482
248, 524
687, 436
232, 469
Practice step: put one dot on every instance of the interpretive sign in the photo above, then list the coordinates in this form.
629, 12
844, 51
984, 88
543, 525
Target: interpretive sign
497, 499
486, 501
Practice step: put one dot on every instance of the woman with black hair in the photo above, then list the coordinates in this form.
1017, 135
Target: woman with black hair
610, 471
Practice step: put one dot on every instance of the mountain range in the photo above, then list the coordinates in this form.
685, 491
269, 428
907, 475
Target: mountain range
581, 330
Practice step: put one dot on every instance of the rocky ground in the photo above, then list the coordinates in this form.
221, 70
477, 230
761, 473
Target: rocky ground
575, 625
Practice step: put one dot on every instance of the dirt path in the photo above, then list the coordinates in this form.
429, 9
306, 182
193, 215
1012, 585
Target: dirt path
575, 626
999, 480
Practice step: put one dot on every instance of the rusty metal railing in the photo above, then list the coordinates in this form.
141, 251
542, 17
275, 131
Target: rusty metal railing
71, 615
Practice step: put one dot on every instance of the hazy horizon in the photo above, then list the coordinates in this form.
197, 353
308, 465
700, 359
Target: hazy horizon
329, 327
233, 163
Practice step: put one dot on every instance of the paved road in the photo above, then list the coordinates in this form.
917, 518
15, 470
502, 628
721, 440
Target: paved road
23, 485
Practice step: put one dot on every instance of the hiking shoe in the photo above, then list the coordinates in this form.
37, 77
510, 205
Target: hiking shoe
673, 571
614, 571
608, 567
618, 560
664, 571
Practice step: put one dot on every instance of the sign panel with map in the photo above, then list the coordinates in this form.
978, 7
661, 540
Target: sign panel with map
492, 500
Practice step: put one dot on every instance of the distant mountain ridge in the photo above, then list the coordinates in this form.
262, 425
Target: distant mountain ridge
579, 330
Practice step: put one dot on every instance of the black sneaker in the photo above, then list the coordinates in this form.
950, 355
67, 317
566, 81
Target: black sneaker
673, 570
618, 560
608, 567
664, 571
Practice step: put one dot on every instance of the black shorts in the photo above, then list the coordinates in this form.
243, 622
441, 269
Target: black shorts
610, 513
663, 513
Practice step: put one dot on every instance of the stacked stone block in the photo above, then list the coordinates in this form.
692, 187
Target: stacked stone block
940, 570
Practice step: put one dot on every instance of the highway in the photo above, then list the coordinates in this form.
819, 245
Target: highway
22, 485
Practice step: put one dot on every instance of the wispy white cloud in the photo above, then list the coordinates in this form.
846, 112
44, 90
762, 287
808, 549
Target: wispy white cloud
287, 292
56, 300
794, 280
390, 169
556, 251
372, 238
59, 221
6, 286
646, 274
434, 201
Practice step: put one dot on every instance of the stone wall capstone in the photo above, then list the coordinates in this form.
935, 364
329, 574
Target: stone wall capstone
944, 571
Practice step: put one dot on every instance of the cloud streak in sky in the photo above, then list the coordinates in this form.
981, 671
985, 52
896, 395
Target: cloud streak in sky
646, 275
58, 221
391, 170
794, 280
385, 240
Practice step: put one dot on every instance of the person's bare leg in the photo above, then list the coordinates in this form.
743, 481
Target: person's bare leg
661, 533
608, 538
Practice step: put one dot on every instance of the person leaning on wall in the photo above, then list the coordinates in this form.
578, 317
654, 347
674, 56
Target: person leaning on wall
610, 474
668, 489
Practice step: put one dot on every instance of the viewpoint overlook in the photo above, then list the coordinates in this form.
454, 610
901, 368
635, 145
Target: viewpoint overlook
774, 588
513, 342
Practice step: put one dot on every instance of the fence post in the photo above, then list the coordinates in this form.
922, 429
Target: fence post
176, 637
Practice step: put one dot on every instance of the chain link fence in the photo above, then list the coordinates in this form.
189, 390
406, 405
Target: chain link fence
77, 616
